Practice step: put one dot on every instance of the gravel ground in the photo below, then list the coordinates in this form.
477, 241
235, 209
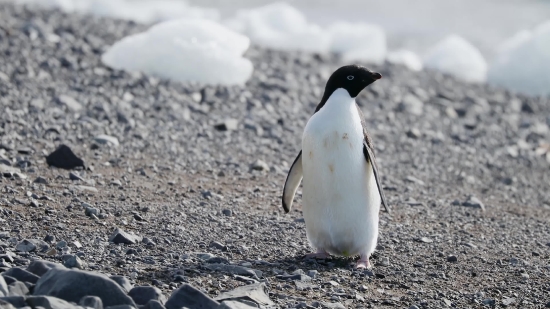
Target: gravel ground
196, 173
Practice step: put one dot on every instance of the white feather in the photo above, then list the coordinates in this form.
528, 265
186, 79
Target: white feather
340, 197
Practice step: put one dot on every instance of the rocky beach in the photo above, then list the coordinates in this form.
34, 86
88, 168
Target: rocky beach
151, 193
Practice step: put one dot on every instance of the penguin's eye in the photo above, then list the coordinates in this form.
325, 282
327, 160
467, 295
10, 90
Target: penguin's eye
351, 77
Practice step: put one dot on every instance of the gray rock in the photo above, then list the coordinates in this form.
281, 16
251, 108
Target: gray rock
16, 301
260, 165
93, 302
121, 307
188, 296
227, 125
412, 105
106, 140
143, 294
312, 273
153, 304
232, 269
18, 288
6, 305
474, 202
73, 261
48, 302
3, 287
8, 171
452, 258
332, 305
69, 102
71, 285
41, 180
121, 237
25, 246
252, 292
232, 304
89, 211
21, 275
227, 212
75, 176
123, 282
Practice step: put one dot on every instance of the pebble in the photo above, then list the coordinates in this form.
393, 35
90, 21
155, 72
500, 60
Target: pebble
260, 165
41, 180
69, 102
106, 140
227, 125
120, 237
474, 202
452, 258
227, 212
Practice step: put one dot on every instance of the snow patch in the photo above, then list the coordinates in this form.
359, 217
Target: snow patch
523, 62
279, 26
358, 42
456, 56
406, 58
185, 50
142, 11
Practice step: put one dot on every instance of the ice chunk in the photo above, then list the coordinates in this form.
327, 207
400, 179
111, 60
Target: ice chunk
456, 56
280, 26
523, 63
185, 50
142, 11
358, 41
405, 57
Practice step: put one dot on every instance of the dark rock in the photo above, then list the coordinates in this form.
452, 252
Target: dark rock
232, 269
9, 280
5, 305
253, 292
16, 301
143, 294
48, 302
231, 304
474, 202
72, 285
227, 125
121, 237
121, 307
93, 302
188, 296
41, 180
218, 245
452, 258
227, 212
153, 304
18, 288
73, 261
123, 282
63, 157
21, 275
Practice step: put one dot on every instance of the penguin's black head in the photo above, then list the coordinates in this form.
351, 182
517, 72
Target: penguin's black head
353, 78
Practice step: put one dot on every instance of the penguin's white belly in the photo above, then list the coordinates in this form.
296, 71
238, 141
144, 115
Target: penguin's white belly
340, 197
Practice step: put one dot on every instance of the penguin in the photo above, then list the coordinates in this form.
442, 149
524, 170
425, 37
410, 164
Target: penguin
342, 193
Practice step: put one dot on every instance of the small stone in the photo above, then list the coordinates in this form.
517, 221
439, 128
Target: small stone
218, 246
312, 273
227, 212
41, 180
414, 133
75, 176
332, 305
231, 304
106, 139
252, 292
189, 297
121, 237
452, 258
508, 301
425, 240
89, 211
260, 165
385, 261
72, 261
143, 294
227, 125
123, 282
25, 246
63, 157
69, 102
474, 202
92, 302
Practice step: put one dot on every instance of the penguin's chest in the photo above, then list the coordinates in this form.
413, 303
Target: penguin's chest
338, 184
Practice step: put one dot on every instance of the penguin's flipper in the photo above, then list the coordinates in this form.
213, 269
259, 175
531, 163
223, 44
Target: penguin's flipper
292, 182
369, 156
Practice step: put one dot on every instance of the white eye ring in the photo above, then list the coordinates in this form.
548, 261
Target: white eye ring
351, 77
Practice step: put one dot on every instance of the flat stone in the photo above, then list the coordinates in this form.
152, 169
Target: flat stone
63, 157
41, 180
143, 294
260, 165
252, 292
190, 297
48, 302
15, 301
21, 275
18, 288
121, 237
474, 202
227, 125
106, 139
332, 305
69, 102
232, 269
73, 261
93, 302
71, 285
231, 304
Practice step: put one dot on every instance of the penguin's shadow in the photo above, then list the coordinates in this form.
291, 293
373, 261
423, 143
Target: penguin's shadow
319, 264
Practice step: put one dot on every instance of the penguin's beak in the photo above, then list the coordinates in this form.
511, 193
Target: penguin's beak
376, 75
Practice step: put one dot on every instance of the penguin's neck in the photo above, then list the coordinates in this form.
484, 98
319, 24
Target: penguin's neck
339, 102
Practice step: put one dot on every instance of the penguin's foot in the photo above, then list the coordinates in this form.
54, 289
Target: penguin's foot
320, 255
363, 263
